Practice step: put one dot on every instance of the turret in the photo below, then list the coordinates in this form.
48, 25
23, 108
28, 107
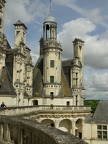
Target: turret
50, 28
22, 69
52, 52
77, 72
20, 33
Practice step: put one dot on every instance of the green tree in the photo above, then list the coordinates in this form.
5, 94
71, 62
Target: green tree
92, 103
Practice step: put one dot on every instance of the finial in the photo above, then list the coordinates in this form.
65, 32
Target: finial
50, 7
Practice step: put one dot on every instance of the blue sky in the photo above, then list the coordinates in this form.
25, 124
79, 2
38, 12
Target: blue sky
84, 19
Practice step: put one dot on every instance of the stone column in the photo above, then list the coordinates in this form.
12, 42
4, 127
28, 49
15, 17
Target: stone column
17, 98
1, 131
82, 129
56, 124
7, 133
73, 127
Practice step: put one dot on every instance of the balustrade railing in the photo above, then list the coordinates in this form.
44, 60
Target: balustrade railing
27, 109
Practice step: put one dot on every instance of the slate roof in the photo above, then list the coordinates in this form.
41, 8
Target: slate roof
6, 84
66, 91
101, 113
6, 87
37, 78
67, 63
20, 24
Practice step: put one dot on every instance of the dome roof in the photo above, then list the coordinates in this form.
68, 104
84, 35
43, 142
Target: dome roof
50, 19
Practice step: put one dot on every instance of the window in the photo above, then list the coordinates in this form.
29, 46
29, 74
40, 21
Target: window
47, 31
68, 103
102, 131
17, 32
51, 63
51, 79
35, 102
80, 47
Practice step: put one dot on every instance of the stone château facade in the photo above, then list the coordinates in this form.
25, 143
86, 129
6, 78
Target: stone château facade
54, 87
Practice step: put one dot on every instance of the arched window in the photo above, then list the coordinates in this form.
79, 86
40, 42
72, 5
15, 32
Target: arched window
35, 102
47, 32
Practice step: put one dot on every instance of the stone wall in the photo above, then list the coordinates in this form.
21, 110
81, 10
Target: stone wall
20, 131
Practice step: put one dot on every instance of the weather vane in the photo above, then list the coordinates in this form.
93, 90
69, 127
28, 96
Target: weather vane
50, 7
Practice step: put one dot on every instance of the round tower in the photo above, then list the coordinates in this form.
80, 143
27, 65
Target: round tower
52, 52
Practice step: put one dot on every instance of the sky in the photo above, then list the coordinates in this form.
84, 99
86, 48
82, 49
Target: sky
83, 19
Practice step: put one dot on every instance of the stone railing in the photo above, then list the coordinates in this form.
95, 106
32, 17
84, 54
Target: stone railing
20, 131
27, 109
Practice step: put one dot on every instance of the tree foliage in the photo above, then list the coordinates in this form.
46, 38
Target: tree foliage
92, 103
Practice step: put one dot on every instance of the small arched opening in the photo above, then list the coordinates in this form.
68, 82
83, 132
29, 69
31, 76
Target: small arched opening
47, 31
35, 102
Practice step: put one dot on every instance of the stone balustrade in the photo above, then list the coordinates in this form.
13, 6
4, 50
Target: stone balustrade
20, 131
27, 109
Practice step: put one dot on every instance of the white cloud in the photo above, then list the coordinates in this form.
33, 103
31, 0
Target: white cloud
96, 15
16, 10
97, 86
96, 54
64, 2
34, 58
25, 10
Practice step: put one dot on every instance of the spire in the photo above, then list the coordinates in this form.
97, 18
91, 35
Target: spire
50, 7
